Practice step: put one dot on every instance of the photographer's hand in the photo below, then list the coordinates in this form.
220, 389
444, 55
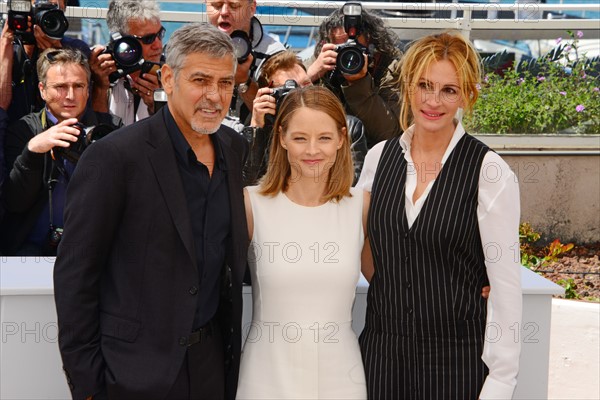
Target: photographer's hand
43, 41
102, 65
145, 85
263, 104
361, 74
324, 63
60, 135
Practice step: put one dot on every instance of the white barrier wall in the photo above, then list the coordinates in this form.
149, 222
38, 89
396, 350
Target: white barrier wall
30, 365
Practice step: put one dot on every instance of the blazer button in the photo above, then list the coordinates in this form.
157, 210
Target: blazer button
183, 341
193, 290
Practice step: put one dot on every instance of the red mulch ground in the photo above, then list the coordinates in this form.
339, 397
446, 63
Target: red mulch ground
582, 265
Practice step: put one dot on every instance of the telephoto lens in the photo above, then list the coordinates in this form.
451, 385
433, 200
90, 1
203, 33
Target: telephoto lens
51, 19
350, 59
241, 45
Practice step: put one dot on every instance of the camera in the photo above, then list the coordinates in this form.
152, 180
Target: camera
127, 53
87, 136
242, 47
279, 93
48, 16
350, 59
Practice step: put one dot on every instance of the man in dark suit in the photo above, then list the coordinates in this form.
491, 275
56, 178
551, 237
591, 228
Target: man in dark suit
149, 272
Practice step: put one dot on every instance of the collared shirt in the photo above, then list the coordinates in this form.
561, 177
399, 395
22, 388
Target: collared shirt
208, 204
122, 103
498, 214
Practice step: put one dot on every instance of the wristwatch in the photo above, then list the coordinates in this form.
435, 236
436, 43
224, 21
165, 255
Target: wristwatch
243, 87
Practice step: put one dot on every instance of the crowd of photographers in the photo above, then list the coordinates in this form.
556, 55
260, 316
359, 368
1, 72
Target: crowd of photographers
58, 96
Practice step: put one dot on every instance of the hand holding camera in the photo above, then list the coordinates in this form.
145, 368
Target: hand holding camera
60, 135
262, 105
50, 23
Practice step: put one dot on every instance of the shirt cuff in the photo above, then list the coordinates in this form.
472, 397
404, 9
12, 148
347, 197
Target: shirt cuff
494, 389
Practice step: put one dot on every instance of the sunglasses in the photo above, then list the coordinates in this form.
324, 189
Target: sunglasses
150, 38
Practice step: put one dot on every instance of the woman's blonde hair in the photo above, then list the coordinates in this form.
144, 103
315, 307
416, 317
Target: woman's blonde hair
279, 170
451, 46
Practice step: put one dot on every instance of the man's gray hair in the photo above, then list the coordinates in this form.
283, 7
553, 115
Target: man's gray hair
120, 12
197, 38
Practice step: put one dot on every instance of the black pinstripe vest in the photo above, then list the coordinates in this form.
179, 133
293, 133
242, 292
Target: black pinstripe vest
426, 290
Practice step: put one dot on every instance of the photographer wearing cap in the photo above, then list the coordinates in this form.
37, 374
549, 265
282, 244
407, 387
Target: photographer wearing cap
36, 152
238, 15
131, 96
367, 93
28, 42
280, 74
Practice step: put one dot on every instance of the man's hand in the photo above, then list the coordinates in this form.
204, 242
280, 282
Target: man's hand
485, 292
102, 65
60, 135
145, 85
324, 63
263, 104
361, 74
43, 41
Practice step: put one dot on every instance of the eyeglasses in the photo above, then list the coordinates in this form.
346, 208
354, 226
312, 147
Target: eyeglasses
150, 38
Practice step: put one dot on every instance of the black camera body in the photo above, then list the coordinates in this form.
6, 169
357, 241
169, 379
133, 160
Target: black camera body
127, 53
279, 93
87, 136
350, 59
48, 16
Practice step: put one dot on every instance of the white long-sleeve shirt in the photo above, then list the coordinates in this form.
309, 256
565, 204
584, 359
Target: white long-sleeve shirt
498, 214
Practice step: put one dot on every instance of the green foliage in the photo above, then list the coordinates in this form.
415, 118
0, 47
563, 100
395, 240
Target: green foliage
559, 91
570, 288
527, 237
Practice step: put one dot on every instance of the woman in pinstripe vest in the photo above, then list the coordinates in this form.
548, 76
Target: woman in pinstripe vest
443, 221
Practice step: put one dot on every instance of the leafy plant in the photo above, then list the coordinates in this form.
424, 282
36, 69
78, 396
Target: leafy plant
558, 91
570, 288
527, 237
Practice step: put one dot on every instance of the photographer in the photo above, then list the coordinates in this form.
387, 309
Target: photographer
26, 48
131, 97
34, 191
238, 15
279, 75
368, 94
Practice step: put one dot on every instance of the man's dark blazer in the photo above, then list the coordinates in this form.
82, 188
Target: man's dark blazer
125, 274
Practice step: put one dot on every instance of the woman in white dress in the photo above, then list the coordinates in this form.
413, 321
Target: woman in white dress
306, 229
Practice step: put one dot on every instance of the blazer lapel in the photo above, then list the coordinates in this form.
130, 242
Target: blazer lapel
164, 164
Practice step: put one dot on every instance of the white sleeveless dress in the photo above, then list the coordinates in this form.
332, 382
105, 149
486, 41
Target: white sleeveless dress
305, 263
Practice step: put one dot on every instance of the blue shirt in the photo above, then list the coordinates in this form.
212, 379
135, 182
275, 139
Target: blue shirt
208, 204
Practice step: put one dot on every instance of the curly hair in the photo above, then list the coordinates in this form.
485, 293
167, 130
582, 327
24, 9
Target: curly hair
378, 34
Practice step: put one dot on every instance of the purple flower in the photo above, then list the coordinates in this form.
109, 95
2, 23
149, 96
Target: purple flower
568, 48
520, 81
478, 86
563, 93
558, 40
541, 78
580, 108
579, 34
486, 79
596, 89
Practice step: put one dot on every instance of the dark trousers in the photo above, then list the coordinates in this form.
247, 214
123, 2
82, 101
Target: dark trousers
202, 375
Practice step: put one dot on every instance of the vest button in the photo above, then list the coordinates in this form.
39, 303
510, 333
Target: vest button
193, 290
409, 311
